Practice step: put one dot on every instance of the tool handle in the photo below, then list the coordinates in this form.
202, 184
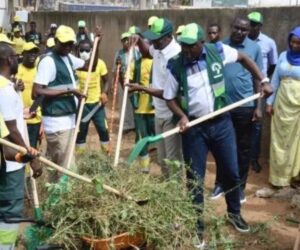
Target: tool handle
82, 102
213, 114
124, 102
113, 107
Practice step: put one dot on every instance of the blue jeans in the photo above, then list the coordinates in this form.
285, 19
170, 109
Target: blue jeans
215, 135
255, 140
242, 122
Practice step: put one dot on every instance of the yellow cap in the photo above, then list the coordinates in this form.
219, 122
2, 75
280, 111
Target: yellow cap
151, 20
65, 34
30, 46
180, 29
125, 35
50, 42
17, 19
4, 39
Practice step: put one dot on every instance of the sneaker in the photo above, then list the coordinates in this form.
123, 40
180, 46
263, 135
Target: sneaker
242, 197
217, 192
200, 242
238, 222
256, 166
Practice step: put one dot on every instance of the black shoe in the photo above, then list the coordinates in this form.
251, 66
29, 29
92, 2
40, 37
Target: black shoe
238, 222
256, 166
217, 192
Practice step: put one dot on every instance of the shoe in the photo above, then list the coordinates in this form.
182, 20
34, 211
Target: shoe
238, 222
200, 242
256, 166
264, 192
242, 197
217, 192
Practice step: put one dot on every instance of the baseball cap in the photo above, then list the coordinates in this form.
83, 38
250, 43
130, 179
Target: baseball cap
81, 24
50, 42
17, 19
151, 20
191, 34
134, 30
30, 46
53, 25
160, 28
125, 35
65, 34
179, 29
5, 39
255, 17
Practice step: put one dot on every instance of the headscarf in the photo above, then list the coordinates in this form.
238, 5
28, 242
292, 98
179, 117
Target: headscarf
293, 57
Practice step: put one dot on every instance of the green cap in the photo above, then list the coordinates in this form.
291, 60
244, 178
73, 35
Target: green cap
134, 30
191, 34
179, 29
81, 24
160, 28
255, 17
125, 35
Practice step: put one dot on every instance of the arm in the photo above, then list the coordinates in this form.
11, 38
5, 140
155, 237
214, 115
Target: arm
250, 65
38, 90
270, 70
104, 88
173, 106
151, 91
143, 46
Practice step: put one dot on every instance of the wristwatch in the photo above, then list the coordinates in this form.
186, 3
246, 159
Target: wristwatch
266, 79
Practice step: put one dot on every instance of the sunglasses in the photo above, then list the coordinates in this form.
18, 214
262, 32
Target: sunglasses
212, 32
84, 50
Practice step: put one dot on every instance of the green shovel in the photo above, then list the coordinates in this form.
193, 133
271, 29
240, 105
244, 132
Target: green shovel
151, 139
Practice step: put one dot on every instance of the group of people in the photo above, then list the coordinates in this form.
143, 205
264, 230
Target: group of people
172, 81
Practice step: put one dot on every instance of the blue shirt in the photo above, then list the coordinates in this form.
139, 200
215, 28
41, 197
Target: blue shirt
269, 51
238, 80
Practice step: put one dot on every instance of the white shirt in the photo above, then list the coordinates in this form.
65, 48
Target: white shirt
11, 108
200, 93
46, 73
160, 74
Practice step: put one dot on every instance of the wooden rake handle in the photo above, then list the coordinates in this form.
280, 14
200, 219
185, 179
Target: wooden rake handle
82, 102
63, 170
213, 114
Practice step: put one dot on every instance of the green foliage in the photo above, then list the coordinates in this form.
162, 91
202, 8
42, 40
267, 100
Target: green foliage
167, 220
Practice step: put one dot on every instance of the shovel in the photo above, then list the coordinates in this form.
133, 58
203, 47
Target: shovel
151, 139
74, 175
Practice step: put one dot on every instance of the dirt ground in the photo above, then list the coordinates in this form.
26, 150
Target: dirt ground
269, 218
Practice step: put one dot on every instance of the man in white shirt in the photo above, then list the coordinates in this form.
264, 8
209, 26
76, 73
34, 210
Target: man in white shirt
195, 88
163, 47
55, 80
12, 171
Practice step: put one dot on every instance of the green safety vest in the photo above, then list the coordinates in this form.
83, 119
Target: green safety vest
215, 68
60, 105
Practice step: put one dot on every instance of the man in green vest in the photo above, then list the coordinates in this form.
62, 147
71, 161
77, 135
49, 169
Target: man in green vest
195, 88
55, 80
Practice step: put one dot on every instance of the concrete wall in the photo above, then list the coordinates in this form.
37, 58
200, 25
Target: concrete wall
278, 22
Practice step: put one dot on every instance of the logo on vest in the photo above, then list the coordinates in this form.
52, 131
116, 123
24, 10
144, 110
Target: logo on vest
216, 68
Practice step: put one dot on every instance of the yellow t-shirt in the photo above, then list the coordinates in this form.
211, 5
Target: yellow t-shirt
27, 75
19, 42
94, 89
144, 106
3, 129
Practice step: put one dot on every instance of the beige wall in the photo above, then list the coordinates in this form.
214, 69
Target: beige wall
278, 21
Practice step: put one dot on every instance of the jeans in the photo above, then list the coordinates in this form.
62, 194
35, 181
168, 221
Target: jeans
215, 135
255, 140
242, 122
